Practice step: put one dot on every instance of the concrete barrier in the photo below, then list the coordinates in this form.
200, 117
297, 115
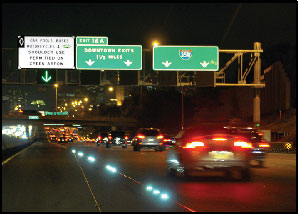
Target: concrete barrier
279, 147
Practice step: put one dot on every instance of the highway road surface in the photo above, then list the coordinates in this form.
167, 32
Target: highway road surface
49, 177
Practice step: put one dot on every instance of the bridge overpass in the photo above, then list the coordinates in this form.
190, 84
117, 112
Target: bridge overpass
68, 121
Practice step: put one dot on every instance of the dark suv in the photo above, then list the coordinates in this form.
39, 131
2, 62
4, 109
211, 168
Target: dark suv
148, 138
117, 138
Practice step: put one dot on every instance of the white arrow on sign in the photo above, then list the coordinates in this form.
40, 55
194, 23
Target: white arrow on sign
204, 64
128, 63
167, 64
90, 62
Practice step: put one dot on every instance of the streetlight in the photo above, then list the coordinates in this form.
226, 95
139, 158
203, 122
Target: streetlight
86, 99
155, 43
56, 86
111, 89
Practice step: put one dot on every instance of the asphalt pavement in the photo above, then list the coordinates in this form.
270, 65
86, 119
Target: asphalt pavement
49, 177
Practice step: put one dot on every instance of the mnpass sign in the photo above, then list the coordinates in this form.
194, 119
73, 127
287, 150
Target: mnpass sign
46, 52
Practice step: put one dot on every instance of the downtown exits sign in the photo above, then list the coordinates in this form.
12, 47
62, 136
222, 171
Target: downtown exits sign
100, 56
109, 57
185, 58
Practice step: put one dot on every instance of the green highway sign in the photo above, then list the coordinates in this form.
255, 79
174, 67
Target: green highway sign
109, 57
33, 117
91, 40
49, 113
46, 77
185, 58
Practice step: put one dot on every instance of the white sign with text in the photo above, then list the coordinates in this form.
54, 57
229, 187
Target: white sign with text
46, 52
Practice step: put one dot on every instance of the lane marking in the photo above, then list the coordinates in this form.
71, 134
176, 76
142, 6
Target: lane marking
8, 159
128, 177
86, 180
138, 182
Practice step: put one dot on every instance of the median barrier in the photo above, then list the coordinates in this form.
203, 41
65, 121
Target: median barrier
282, 147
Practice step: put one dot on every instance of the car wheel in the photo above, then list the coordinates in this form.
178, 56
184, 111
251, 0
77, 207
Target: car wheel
124, 147
170, 171
261, 163
136, 148
245, 174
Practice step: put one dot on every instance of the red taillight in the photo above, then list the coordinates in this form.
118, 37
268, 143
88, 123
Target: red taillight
219, 139
141, 136
159, 137
194, 144
264, 145
243, 145
110, 137
166, 140
125, 137
99, 138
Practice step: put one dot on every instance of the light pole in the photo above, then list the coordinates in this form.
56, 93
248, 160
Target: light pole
56, 86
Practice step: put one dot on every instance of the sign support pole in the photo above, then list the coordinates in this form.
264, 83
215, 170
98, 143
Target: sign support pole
257, 74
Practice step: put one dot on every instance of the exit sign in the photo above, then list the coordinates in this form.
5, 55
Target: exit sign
109, 57
185, 58
91, 40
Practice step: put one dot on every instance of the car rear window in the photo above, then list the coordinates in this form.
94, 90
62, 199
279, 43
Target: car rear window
117, 133
205, 130
149, 132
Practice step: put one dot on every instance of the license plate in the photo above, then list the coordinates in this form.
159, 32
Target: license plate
150, 140
221, 155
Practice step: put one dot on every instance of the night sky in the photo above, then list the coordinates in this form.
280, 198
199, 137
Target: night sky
226, 25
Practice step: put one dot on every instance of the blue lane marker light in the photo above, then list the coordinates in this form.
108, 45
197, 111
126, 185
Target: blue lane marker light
156, 192
73, 151
91, 159
111, 168
80, 154
149, 188
164, 196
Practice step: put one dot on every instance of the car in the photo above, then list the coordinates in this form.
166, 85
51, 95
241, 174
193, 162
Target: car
69, 138
102, 138
117, 138
148, 138
62, 140
53, 138
205, 147
260, 147
168, 141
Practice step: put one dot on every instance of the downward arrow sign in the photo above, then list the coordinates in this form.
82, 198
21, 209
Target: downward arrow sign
46, 79
204, 64
167, 64
128, 63
90, 62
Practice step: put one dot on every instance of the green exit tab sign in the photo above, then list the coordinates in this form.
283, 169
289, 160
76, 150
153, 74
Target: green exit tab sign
185, 58
91, 40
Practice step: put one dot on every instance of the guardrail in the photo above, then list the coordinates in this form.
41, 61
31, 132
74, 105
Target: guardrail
282, 147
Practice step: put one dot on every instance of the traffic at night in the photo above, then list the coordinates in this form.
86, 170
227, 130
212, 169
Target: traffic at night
148, 107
